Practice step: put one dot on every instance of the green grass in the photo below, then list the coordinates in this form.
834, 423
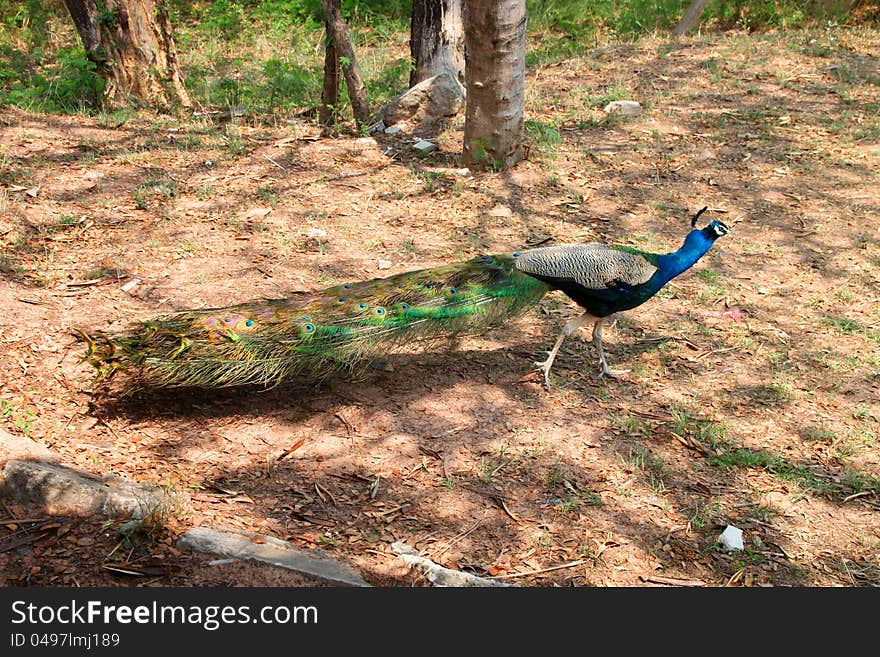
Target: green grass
704, 431
628, 424
770, 394
651, 467
851, 327
544, 137
22, 418
850, 482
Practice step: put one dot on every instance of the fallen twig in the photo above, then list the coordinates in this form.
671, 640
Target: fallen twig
570, 564
672, 581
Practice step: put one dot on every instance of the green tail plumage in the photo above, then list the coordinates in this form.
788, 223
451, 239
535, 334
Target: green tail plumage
312, 335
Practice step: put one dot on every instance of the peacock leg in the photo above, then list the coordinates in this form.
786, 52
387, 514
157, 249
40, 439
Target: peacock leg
568, 329
597, 340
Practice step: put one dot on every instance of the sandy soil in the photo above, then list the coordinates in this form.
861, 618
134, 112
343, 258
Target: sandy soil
753, 395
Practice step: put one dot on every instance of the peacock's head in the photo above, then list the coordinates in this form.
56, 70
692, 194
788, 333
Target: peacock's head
714, 229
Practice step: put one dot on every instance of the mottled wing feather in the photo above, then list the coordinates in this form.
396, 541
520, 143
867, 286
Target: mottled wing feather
592, 266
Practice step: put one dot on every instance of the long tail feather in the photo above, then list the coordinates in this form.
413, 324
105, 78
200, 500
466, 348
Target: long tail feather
313, 335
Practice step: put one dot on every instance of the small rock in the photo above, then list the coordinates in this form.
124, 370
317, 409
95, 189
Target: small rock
731, 539
424, 146
134, 282
623, 107
383, 264
316, 232
463, 172
500, 211
774, 500
393, 129
256, 213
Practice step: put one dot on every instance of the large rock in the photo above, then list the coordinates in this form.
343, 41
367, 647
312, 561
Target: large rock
60, 490
22, 448
238, 544
428, 106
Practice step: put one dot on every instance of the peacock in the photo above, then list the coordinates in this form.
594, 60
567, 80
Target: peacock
312, 335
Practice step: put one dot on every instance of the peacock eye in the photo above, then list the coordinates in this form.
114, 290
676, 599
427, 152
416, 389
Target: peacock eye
404, 306
380, 311
452, 290
341, 299
362, 306
310, 328
249, 322
347, 286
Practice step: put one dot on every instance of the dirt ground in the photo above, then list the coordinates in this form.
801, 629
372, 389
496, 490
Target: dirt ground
753, 393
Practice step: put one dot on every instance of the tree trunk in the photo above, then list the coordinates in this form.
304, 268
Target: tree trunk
131, 44
691, 18
357, 94
495, 47
330, 90
436, 42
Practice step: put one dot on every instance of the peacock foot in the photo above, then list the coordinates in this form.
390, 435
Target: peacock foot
544, 366
613, 374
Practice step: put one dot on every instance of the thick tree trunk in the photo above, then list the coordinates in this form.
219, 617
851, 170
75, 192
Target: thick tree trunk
495, 47
436, 40
330, 90
131, 44
356, 92
691, 17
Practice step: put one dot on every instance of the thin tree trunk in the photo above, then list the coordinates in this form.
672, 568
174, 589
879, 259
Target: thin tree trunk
356, 92
691, 18
330, 90
131, 43
436, 41
495, 46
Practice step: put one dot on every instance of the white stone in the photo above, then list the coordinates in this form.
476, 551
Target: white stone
731, 539
133, 283
623, 107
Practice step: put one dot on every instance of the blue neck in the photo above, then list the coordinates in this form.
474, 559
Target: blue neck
670, 265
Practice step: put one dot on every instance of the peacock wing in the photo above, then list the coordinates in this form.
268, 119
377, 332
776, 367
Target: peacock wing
588, 266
